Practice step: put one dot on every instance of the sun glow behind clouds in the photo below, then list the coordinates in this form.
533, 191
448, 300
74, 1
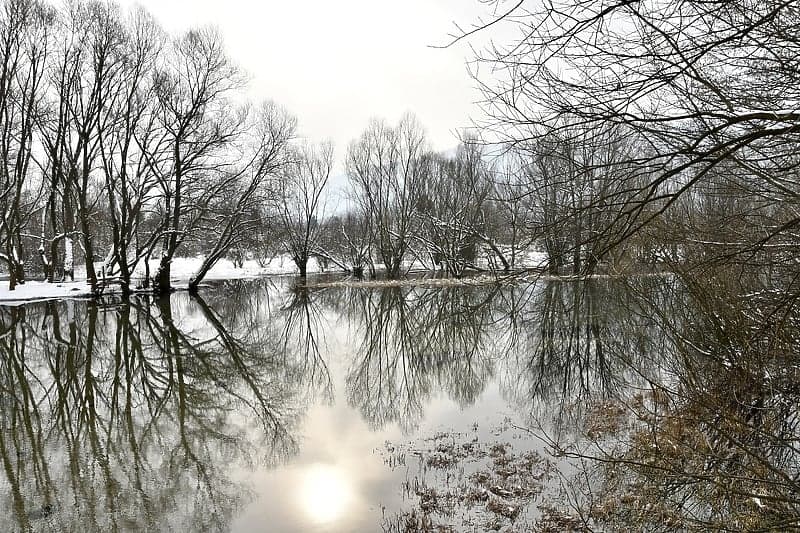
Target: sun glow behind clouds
325, 493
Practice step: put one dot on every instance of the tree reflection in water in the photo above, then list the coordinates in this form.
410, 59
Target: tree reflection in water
303, 338
416, 342
130, 415
714, 446
572, 345
673, 404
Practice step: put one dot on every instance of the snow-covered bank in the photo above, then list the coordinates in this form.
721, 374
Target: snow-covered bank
183, 268
39, 290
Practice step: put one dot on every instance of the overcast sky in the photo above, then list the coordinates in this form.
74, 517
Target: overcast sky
335, 64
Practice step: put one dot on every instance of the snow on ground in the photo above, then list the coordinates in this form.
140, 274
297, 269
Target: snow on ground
532, 259
183, 268
40, 290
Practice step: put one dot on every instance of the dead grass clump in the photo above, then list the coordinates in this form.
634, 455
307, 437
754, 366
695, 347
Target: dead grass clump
604, 418
503, 508
486, 485
414, 522
555, 521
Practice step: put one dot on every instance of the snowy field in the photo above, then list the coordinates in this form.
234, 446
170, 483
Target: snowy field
183, 268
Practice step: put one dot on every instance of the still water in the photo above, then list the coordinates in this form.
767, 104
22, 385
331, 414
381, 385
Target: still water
260, 407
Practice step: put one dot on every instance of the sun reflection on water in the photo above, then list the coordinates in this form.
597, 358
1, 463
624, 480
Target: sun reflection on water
325, 493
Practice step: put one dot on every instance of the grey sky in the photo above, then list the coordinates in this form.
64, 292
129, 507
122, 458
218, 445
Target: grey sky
335, 64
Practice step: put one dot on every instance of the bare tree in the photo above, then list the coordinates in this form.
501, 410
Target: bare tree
300, 201
55, 128
347, 242
91, 63
513, 201
265, 154
194, 84
453, 209
573, 181
25, 26
131, 128
662, 71
386, 171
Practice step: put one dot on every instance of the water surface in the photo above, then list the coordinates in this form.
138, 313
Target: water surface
260, 407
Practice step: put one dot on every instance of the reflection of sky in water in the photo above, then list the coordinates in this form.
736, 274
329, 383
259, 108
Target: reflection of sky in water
253, 409
338, 481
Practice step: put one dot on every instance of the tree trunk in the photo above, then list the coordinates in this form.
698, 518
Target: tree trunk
51, 273
554, 259
12, 275
393, 267
146, 282
199, 276
19, 270
91, 275
302, 265
497, 252
161, 283
124, 271
69, 260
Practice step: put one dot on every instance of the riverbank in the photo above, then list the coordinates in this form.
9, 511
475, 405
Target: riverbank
183, 268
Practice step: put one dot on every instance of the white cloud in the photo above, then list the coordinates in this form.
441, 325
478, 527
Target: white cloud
336, 64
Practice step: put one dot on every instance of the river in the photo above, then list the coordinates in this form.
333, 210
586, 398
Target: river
259, 406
